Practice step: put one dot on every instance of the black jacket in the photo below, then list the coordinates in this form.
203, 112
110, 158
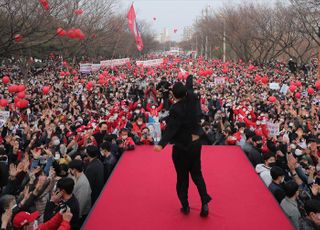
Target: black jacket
51, 209
184, 120
95, 174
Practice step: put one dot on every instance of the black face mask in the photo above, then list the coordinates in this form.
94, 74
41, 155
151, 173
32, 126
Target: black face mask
259, 145
272, 164
104, 132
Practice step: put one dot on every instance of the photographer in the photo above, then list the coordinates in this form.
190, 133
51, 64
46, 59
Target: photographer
164, 89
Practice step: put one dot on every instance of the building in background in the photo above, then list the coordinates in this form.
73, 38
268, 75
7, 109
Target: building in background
187, 33
164, 36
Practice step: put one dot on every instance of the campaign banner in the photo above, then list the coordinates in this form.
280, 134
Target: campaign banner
85, 68
155, 131
219, 80
95, 67
4, 115
274, 129
274, 86
147, 63
114, 62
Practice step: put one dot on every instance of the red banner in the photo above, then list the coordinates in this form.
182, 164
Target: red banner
133, 26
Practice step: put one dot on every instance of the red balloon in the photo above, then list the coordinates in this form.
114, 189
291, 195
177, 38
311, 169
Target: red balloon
231, 80
272, 99
74, 72
18, 37
298, 83
101, 76
257, 79
298, 95
101, 81
105, 73
310, 91
13, 88
22, 104
3, 102
45, 89
5, 80
21, 88
76, 78
21, 95
292, 88
61, 32
67, 73
78, 11
44, 4
62, 74
265, 80
318, 85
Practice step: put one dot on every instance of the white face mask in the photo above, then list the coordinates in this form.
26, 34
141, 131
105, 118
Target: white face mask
124, 137
56, 142
298, 152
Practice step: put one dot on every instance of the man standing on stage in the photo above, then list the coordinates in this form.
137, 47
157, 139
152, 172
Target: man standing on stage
184, 131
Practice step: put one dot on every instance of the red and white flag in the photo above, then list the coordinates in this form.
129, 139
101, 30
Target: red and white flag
133, 25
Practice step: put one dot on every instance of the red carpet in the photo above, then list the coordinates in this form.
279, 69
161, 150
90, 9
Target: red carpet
141, 195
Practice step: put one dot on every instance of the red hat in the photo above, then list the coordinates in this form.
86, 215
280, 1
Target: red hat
23, 218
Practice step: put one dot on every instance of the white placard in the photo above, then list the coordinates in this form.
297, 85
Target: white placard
219, 80
95, 67
155, 131
114, 62
85, 68
4, 115
284, 89
274, 86
274, 129
154, 62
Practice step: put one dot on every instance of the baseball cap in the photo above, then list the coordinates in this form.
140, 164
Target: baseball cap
23, 218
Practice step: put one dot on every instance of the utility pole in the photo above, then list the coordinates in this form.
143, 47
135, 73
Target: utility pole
224, 41
206, 48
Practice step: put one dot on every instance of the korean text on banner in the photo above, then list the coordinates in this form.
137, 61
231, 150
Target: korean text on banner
147, 63
85, 68
114, 62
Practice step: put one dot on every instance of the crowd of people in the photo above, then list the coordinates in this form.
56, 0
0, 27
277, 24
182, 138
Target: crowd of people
59, 147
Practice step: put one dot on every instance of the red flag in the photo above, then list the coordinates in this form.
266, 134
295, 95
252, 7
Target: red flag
133, 26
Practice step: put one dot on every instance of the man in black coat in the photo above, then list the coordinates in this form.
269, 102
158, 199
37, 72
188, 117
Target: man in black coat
94, 172
184, 131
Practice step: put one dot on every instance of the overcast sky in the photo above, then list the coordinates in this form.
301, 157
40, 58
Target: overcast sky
177, 13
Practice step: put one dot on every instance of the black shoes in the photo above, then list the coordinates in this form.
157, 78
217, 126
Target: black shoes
204, 210
185, 210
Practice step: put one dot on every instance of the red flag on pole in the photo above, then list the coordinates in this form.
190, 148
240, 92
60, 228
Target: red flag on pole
133, 26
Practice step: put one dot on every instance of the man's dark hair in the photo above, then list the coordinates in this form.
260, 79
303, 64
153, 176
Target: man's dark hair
291, 188
179, 90
105, 146
77, 165
66, 184
267, 156
256, 138
312, 206
92, 151
276, 172
102, 123
249, 134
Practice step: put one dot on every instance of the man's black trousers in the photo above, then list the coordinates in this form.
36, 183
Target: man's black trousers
189, 161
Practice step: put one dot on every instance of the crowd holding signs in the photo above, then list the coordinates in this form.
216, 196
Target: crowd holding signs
67, 126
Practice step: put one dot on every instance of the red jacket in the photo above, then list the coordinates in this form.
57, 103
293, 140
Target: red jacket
56, 222
154, 112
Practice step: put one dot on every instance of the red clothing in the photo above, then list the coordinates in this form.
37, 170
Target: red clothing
56, 222
154, 112
138, 128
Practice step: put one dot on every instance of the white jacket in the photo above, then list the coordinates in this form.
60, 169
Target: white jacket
264, 173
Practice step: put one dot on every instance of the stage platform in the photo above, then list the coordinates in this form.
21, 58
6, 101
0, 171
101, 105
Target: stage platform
141, 195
